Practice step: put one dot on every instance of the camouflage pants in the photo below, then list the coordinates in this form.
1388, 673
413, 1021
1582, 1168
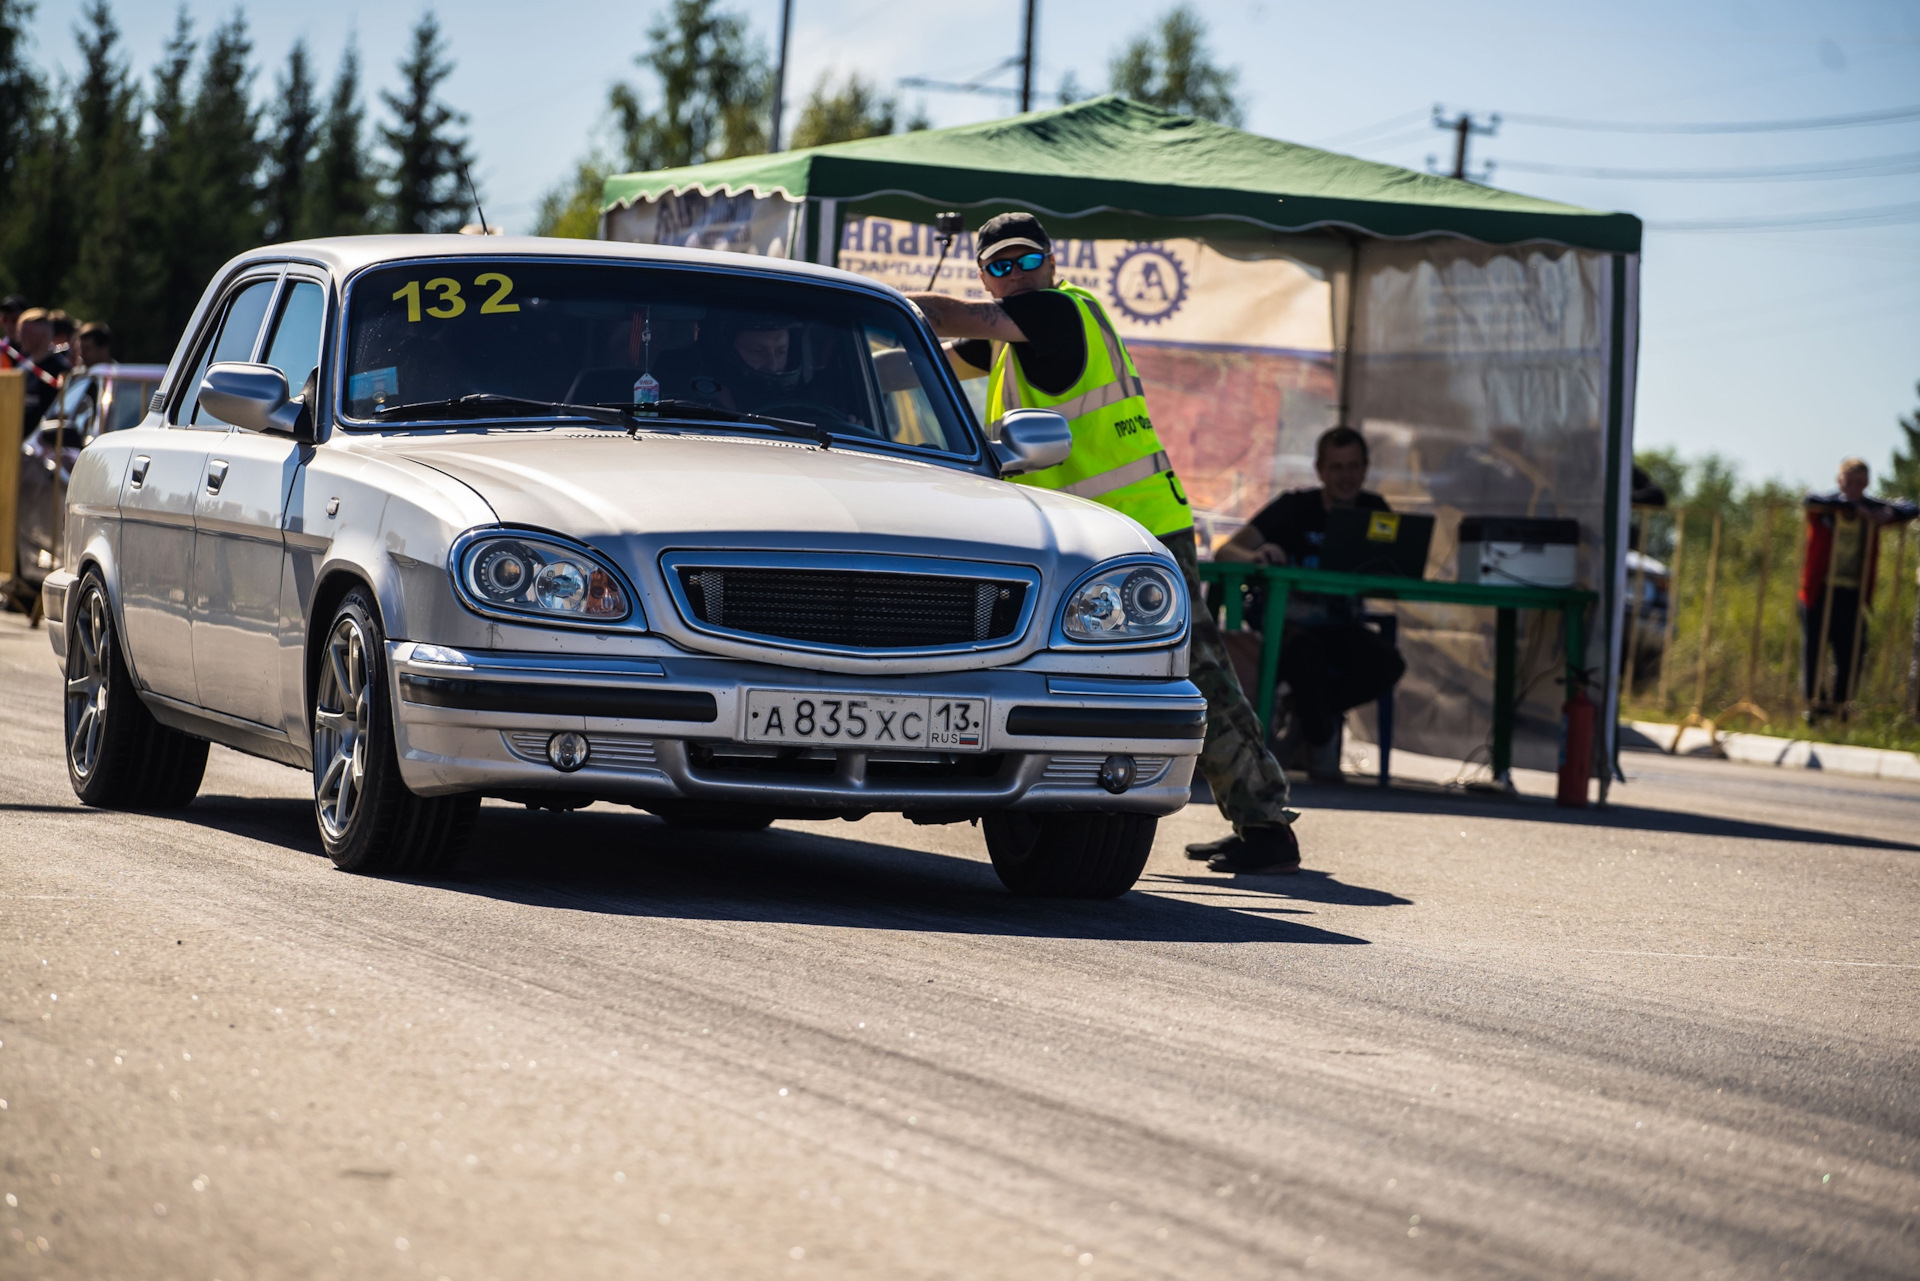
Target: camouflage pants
1248, 783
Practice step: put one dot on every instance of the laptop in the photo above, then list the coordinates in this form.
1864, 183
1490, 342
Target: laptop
1366, 542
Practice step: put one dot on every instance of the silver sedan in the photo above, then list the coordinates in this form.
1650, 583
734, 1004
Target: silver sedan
438, 518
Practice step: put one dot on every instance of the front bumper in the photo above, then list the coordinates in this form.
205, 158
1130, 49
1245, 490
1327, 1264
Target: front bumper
662, 730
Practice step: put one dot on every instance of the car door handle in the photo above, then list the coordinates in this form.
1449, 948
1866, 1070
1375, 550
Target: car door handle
216, 476
140, 466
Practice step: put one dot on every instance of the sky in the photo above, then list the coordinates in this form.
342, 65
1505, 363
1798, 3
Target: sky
1782, 350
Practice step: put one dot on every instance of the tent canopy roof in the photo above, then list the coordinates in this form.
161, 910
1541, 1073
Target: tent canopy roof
1110, 156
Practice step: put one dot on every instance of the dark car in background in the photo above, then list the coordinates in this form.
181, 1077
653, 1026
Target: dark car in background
105, 398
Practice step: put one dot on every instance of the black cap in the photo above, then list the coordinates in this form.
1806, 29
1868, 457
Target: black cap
13, 302
1011, 231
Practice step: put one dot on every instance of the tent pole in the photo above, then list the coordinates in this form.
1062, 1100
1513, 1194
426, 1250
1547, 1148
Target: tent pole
1343, 325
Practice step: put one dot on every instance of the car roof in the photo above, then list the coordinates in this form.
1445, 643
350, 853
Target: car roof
345, 255
125, 372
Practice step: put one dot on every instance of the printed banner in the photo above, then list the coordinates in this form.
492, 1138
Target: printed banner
745, 224
1168, 291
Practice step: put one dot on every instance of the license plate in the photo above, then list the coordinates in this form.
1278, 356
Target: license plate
865, 720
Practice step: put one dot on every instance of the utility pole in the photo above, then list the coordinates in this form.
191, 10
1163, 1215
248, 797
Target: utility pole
1462, 128
780, 72
1026, 61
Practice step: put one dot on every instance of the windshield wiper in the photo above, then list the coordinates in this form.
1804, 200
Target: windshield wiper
476, 404
480, 403
720, 413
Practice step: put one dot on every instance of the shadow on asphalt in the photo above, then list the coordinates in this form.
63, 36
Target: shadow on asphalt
638, 866
1306, 885
1414, 799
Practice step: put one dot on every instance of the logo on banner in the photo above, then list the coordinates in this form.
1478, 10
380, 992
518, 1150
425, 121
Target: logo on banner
1148, 284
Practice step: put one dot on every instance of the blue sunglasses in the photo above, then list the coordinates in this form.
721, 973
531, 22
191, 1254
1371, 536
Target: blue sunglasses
1004, 267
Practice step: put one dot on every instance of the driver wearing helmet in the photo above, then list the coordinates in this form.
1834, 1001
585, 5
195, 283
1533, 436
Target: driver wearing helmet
753, 360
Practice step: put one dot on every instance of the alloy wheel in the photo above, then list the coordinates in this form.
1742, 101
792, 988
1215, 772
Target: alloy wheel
342, 721
89, 667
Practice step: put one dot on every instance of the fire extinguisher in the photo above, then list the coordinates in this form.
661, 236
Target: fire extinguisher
1576, 743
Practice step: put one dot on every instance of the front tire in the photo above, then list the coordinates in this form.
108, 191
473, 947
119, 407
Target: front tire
118, 756
369, 822
1069, 855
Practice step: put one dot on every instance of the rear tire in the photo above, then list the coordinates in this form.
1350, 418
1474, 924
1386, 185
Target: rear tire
1069, 855
369, 822
118, 756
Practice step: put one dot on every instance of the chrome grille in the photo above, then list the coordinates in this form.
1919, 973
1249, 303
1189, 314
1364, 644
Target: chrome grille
1084, 771
854, 609
604, 751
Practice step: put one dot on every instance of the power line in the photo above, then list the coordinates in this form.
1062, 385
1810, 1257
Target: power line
1861, 167
1889, 115
1350, 137
1879, 215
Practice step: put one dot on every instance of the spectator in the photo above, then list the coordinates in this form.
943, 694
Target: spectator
1329, 659
96, 344
1836, 584
10, 308
64, 328
43, 365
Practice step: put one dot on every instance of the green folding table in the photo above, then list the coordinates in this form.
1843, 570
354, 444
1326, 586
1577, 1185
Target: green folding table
1507, 600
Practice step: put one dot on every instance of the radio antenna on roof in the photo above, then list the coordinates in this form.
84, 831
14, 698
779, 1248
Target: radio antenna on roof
475, 193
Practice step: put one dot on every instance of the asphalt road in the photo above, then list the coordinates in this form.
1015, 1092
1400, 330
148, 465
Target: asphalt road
1673, 1039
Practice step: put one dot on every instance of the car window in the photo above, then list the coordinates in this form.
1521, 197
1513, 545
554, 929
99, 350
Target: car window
239, 330
295, 349
125, 403
616, 333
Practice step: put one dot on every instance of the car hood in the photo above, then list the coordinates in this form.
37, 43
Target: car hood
663, 492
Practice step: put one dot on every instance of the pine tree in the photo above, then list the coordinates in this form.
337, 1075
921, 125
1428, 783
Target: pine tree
341, 197
715, 91
290, 154
22, 95
428, 193
1170, 68
115, 268
856, 110
1903, 479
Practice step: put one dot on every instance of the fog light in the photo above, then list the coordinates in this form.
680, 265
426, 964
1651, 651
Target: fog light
1116, 773
569, 751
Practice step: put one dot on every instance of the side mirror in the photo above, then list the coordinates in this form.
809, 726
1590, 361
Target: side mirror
254, 398
1032, 440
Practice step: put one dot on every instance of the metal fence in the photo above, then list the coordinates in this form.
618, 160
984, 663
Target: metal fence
1715, 636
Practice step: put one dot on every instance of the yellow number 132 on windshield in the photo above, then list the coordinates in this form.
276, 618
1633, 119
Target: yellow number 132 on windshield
447, 302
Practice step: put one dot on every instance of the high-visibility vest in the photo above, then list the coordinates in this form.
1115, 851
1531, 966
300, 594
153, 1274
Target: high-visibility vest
1117, 458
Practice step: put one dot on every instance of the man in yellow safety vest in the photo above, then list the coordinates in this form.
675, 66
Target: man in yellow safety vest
1047, 345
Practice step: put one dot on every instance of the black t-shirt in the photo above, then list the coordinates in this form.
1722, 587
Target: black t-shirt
1297, 520
1055, 353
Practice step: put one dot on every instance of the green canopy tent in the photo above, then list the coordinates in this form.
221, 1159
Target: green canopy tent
1483, 340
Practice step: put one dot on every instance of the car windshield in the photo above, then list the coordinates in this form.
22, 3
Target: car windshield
427, 333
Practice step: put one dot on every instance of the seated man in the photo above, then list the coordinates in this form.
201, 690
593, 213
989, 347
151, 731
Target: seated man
1329, 659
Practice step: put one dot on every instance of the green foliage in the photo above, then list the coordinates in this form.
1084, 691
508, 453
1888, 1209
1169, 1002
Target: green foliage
342, 196
574, 211
124, 198
1754, 617
715, 86
1903, 478
855, 110
429, 193
1170, 67
290, 152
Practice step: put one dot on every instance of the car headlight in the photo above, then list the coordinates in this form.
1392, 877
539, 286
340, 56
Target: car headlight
1139, 601
540, 578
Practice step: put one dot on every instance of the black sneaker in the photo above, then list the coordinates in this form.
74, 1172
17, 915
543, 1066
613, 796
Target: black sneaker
1205, 850
1271, 849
